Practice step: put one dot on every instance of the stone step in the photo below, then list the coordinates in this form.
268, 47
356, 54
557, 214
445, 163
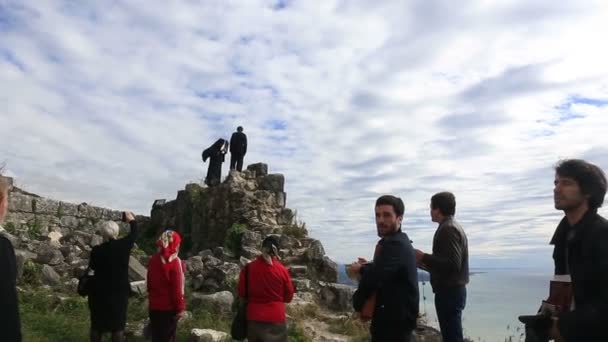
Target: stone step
298, 271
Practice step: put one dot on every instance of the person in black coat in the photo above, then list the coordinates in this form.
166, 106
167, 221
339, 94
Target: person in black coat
10, 324
110, 288
238, 148
215, 153
391, 277
581, 241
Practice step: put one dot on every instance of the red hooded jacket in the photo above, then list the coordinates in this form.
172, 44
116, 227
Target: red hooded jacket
166, 289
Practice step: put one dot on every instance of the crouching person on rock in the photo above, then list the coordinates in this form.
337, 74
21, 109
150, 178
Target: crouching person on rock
269, 287
166, 288
109, 293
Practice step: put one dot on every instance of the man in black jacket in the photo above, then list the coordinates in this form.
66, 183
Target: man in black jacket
10, 324
238, 148
581, 250
391, 277
448, 266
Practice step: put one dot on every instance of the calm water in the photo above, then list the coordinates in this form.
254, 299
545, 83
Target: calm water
494, 300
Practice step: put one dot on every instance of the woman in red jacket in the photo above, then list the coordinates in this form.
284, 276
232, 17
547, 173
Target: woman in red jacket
269, 287
166, 288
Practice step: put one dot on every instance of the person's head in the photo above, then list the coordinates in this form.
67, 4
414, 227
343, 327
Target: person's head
168, 244
109, 230
270, 245
218, 144
443, 204
4, 188
578, 184
389, 214
239, 129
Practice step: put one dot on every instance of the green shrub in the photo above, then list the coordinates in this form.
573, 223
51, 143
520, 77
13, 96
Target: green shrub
31, 273
296, 231
296, 228
10, 227
34, 230
233, 238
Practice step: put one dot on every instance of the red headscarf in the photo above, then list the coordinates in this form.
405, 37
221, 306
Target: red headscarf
168, 244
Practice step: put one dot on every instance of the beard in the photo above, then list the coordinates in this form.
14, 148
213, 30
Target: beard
566, 204
386, 229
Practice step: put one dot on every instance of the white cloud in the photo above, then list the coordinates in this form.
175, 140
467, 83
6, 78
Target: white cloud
112, 105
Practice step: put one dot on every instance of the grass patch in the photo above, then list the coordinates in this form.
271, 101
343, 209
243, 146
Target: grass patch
300, 312
351, 327
61, 316
295, 333
45, 316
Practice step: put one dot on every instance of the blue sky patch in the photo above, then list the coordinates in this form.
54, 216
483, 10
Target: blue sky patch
588, 101
280, 4
217, 95
277, 125
12, 59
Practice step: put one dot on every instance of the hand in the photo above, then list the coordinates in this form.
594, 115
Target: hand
361, 260
129, 216
419, 256
180, 315
355, 267
554, 331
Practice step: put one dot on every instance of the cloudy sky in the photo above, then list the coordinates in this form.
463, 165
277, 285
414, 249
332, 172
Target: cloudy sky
111, 103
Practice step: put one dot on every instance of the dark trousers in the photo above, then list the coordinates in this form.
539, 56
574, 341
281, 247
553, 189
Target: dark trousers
390, 331
163, 326
449, 304
236, 161
266, 332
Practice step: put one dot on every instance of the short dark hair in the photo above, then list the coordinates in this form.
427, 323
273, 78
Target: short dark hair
269, 241
590, 178
445, 202
240, 128
393, 201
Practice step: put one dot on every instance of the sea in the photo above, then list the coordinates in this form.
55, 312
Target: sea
495, 297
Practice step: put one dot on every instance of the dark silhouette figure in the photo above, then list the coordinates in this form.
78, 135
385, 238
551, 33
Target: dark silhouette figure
215, 154
10, 323
109, 295
238, 148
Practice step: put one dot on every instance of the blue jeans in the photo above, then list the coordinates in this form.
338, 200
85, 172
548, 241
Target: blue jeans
449, 304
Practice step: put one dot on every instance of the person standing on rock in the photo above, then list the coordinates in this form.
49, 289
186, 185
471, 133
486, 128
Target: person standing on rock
10, 324
215, 153
238, 149
166, 283
269, 287
448, 266
391, 277
110, 287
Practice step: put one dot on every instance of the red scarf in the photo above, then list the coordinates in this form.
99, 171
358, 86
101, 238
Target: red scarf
168, 244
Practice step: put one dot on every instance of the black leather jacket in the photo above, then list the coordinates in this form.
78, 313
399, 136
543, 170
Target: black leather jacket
393, 277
